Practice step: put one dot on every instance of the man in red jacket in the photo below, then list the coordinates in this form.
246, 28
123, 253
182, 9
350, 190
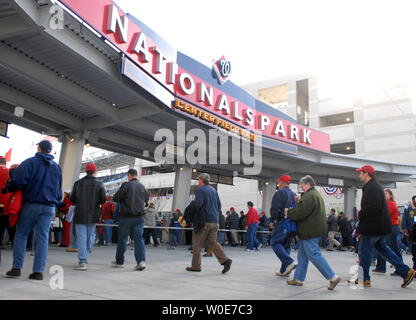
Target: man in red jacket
65, 240
107, 216
252, 226
4, 176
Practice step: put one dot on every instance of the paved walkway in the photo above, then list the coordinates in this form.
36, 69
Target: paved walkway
251, 277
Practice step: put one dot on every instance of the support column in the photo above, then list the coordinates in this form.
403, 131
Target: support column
70, 160
269, 189
350, 198
182, 187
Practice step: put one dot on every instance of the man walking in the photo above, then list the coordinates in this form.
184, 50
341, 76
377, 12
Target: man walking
310, 217
375, 224
132, 197
283, 199
206, 199
88, 195
40, 179
107, 213
332, 230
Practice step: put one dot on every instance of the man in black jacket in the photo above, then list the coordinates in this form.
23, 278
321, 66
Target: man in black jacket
88, 195
132, 197
374, 225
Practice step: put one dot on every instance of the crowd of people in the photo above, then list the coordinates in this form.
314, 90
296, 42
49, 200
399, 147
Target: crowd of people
34, 212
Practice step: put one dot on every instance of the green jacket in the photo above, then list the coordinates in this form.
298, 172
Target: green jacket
310, 216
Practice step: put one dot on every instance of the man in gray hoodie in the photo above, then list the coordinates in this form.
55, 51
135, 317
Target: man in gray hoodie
151, 217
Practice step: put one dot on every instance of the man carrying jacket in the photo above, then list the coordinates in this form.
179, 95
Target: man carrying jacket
207, 200
40, 179
132, 197
283, 199
375, 224
88, 195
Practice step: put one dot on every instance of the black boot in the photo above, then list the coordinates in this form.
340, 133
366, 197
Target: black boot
14, 273
36, 276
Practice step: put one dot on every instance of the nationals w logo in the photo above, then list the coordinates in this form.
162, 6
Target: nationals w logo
222, 68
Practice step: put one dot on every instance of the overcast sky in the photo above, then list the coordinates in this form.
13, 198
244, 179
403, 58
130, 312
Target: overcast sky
350, 45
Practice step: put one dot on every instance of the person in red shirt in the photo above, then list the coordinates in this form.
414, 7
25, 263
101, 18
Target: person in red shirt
4, 176
107, 217
252, 226
392, 239
65, 240
12, 204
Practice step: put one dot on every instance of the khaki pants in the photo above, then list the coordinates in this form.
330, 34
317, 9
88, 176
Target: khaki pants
208, 234
234, 236
332, 241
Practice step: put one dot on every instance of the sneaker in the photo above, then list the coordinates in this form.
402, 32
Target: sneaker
249, 250
141, 266
394, 274
259, 246
71, 250
289, 269
14, 273
114, 264
333, 284
227, 265
378, 271
278, 273
294, 282
36, 276
329, 249
409, 278
81, 267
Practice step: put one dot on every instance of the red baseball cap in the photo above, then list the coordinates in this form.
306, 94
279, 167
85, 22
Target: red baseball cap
366, 168
232, 209
285, 178
91, 167
178, 210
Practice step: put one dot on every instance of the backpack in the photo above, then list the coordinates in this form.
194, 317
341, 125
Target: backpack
289, 227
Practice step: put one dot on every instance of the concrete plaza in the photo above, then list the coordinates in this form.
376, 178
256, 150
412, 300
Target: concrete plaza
251, 278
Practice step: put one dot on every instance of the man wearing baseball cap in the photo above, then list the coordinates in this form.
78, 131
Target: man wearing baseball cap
88, 195
40, 179
374, 225
283, 199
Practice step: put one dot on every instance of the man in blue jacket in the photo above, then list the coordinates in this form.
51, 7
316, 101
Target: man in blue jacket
206, 198
283, 199
408, 226
40, 179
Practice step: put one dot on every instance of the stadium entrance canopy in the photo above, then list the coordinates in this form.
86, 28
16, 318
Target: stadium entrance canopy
86, 71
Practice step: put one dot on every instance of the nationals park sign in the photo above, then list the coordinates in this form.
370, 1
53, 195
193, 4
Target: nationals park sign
161, 70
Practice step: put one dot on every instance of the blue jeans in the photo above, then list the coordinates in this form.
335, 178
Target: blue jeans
93, 236
263, 237
309, 251
85, 233
75, 239
127, 227
251, 236
366, 250
281, 246
108, 231
35, 217
221, 237
392, 242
